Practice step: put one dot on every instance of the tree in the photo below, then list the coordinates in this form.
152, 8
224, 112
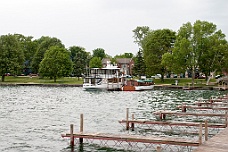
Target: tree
11, 56
29, 48
44, 43
198, 47
99, 52
213, 57
139, 65
139, 33
125, 55
80, 59
56, 63
95, 62
154, 45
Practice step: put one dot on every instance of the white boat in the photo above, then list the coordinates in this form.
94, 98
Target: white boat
107, 78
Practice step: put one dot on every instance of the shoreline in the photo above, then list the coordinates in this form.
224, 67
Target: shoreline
156, 87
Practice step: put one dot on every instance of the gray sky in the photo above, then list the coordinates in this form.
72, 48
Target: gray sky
106, 24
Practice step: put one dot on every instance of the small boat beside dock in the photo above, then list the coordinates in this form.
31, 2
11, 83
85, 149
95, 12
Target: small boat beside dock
138, 85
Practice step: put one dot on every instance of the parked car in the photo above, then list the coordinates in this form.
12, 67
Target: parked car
218, 76
157, 76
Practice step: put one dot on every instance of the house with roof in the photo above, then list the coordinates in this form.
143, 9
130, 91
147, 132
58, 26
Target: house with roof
125, 64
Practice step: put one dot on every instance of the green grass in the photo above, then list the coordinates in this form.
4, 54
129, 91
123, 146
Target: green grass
183, 81
27, 79
74, 80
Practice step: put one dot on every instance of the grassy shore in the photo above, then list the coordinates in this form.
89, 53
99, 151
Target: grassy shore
76, 81
38, 80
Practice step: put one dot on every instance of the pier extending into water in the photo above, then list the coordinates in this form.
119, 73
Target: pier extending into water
133, 141
151, 142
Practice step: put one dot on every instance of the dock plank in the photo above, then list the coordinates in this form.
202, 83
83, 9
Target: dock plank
218, 143
174, 123
135, 138
190, 114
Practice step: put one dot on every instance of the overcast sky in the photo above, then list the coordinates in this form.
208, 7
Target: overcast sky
106, 24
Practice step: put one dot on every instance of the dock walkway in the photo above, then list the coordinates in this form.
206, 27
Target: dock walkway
218, 143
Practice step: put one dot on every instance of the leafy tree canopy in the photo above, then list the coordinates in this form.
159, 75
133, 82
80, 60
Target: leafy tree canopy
44, 43
99, 52
125, 55
154, 45
80, 59
139, 33
199, 47
11, 55
95, 62
56, 63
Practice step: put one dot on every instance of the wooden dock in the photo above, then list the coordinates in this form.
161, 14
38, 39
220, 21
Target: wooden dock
202, 108
189, 114
135, 138
218, 143
173, 123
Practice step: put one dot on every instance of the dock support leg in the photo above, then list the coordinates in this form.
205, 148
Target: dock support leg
81, 128
132, 124
200, 133
183, 107
226, 119
158, 148
127, 116
206, 130
72, 135
162, 116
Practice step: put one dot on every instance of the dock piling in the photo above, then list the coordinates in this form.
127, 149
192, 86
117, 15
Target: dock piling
81, 128
183, 109
127, 116
71, 135
132, 124
206, 130
158, 148
200, 133
226, 119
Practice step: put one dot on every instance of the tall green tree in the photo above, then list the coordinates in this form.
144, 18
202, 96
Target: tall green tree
139, 65
80, 59
154, 45
11, 56
95, 62
198, 47
29, 48
56, 63
44, 44
139, 33
99, 52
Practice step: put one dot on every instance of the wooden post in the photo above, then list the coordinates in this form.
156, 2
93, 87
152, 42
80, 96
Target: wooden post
160, 116
132, 124
226, 119
200, 133
71, 135
158, 148
81, 128
206, 130
183, 107
127, 116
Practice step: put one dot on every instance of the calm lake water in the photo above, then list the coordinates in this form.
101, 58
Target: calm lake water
33, 118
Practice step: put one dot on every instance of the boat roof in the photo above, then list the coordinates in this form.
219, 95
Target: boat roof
147, 80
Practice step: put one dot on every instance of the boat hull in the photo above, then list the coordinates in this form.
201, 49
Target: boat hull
137, 88
102, 86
